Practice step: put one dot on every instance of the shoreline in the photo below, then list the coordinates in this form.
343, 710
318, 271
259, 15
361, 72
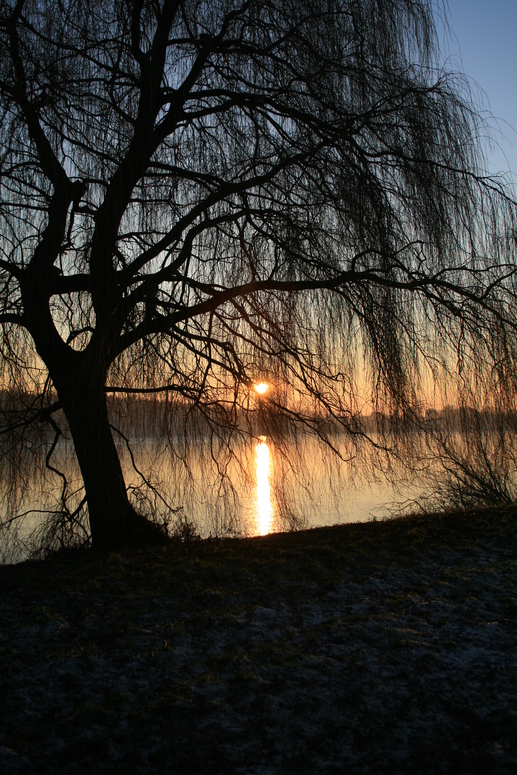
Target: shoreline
389, 645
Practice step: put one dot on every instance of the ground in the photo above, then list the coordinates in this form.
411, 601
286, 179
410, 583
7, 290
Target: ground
386, 647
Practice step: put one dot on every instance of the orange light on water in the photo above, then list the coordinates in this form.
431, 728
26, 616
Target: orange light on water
261, 388
264, 505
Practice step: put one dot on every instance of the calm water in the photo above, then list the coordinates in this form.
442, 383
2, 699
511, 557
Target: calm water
258, 491
264, 491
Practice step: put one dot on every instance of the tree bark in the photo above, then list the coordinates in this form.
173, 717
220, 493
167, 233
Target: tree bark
114, 523
79, 378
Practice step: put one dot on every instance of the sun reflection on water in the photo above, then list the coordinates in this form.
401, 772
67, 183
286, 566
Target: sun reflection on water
264, 505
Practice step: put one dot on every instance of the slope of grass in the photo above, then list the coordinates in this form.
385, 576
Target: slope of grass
386, 646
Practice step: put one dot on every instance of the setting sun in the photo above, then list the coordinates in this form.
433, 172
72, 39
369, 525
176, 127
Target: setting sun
261, 388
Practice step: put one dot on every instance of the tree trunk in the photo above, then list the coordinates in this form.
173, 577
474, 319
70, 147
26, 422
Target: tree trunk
79, 378
113, 521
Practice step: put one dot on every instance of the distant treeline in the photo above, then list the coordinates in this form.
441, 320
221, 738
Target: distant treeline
27, 414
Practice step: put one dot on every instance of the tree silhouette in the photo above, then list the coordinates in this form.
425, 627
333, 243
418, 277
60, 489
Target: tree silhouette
194, 195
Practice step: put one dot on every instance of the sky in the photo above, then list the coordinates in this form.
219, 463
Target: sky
483, 44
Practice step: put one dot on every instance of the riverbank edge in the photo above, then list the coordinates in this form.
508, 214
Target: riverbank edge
405, 531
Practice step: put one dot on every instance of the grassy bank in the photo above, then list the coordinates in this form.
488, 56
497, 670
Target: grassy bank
377, 647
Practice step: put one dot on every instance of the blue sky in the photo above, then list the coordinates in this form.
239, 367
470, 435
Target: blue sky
483, 44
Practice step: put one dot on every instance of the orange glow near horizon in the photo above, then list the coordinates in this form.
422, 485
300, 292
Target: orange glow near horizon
261, 388
264, 505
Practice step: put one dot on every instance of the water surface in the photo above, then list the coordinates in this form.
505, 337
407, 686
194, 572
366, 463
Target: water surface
258, 490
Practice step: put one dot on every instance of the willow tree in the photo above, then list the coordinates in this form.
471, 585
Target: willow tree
196, 193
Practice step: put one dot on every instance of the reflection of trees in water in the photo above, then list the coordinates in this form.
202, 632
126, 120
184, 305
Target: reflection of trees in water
177, 462
180, 465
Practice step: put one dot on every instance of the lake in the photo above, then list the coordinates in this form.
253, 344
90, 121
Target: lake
259, 490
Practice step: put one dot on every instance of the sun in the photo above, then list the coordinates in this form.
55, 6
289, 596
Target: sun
261, 388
